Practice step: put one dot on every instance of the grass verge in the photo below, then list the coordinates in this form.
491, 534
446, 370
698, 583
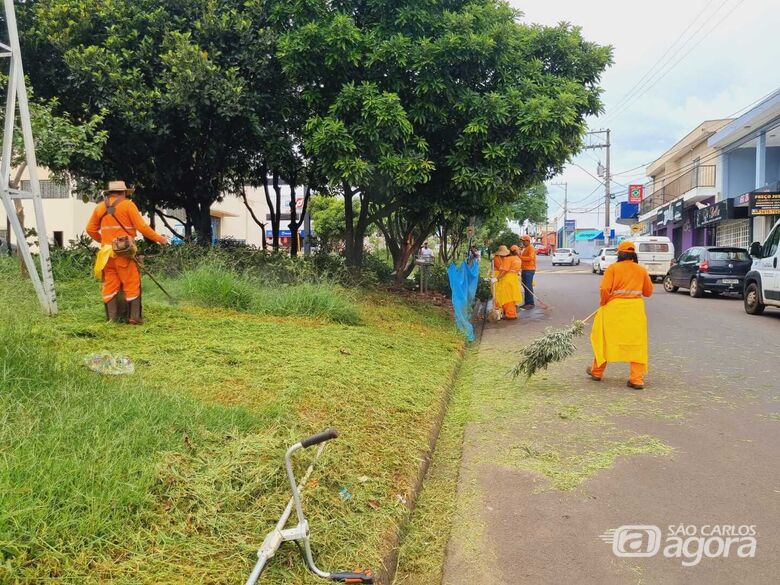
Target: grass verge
175, 474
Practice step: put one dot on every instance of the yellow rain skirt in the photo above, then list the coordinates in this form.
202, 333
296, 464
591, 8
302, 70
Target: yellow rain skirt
103, 255
619, 332
508, 289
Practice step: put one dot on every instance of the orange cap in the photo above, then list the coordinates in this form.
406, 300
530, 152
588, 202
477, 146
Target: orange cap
626, 246
514, 248
525, 237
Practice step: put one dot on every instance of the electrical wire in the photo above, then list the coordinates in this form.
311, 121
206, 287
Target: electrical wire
633, 88
616, 112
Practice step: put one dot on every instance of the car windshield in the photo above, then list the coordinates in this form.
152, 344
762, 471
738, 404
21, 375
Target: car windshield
563, 251
738, 255
653, 247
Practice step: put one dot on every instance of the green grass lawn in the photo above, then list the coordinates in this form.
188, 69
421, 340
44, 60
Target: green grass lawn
174, 474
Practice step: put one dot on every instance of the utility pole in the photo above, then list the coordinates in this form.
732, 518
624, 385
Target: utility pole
603, 171
565, 186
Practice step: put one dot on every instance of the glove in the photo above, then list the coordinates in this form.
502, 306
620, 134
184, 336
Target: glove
493, 280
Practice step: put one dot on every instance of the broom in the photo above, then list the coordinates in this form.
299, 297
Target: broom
554, 346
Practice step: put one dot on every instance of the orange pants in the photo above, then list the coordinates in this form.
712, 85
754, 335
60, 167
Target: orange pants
121, 274
635, 376
510, 310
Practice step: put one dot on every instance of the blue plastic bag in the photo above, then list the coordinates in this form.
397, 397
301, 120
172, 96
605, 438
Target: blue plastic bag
464, 278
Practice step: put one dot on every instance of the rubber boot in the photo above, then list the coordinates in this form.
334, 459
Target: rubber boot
112, 310
134, 312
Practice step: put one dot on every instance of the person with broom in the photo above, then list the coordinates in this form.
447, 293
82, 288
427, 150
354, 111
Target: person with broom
619, 331
114, 224
507, 294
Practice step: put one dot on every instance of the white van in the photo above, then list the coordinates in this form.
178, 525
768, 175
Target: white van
762, 283
655, 253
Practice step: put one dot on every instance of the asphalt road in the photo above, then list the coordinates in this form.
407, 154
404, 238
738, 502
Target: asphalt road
712, 396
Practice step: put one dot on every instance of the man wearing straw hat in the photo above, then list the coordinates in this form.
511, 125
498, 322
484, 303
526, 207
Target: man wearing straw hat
620, 328
507, 294
114, 224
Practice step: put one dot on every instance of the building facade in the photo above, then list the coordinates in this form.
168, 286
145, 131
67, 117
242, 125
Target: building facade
749, 183
682, 181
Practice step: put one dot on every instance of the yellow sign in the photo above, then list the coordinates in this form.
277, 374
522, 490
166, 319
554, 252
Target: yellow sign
470, 231
636, 228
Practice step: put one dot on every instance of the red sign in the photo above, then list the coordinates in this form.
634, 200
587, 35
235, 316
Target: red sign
299, 203
636, 193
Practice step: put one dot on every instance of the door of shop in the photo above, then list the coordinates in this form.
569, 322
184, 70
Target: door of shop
677, 234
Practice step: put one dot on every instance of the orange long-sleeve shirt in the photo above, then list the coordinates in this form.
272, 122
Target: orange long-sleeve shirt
528, 256
625, 280
104, 228
510, 263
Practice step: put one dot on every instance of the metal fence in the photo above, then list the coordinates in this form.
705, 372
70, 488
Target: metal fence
49, 189
701, 176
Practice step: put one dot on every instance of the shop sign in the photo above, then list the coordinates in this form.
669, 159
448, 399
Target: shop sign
764, 204
743, 199
570, 225
715, 213
636, 193
671, 213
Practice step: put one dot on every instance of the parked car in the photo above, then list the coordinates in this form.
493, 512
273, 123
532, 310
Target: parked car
566, 256
603, 259
543, 249
655, 253
709, 269
762, 283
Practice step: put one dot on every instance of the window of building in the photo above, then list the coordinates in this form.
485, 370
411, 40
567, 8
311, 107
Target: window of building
733, 234
49, 189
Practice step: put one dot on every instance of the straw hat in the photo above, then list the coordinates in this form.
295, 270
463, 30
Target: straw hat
119, 187
502, 251
626, 246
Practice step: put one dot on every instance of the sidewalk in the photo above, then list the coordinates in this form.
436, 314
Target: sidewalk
550, 465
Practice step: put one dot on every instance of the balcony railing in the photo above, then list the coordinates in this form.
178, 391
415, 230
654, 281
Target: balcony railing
702, 176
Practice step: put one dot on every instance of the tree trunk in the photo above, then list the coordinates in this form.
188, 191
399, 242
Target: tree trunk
293, 225
254, 217
200, 216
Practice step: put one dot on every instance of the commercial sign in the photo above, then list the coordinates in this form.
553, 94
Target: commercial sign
670, 213
570, 225
764, 204
636, 193
715, 213
628, 210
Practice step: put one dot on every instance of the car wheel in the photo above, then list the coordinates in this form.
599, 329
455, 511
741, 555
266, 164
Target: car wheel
695, 290
594, 270
753, 304
669, 285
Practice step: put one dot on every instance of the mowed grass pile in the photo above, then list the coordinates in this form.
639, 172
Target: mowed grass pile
175, 474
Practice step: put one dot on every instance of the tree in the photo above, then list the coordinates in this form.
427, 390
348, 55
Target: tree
327, 215
436, 108
181, 85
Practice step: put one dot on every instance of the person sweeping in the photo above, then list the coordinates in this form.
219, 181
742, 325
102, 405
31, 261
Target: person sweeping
528, 258
507, 294
114, 224
619, 331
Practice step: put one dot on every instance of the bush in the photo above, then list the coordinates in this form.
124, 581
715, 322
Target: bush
438, 280
212, 285
507, 238
308, 300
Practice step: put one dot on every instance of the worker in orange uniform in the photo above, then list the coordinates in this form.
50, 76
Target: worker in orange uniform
528, 258
507, 294
114, 217
620, 328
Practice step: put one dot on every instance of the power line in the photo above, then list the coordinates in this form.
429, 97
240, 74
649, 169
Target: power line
661, 58
698, 42
661, 73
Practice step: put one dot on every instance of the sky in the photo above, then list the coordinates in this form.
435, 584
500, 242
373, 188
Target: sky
700, 59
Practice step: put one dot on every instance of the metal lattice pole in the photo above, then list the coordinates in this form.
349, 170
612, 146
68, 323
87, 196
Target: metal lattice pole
17, 90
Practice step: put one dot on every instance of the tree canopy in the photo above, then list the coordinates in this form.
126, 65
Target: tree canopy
421, 113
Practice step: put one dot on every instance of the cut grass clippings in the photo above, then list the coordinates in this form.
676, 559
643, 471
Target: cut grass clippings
175, 474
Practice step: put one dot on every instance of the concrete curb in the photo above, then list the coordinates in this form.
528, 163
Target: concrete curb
390, 562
